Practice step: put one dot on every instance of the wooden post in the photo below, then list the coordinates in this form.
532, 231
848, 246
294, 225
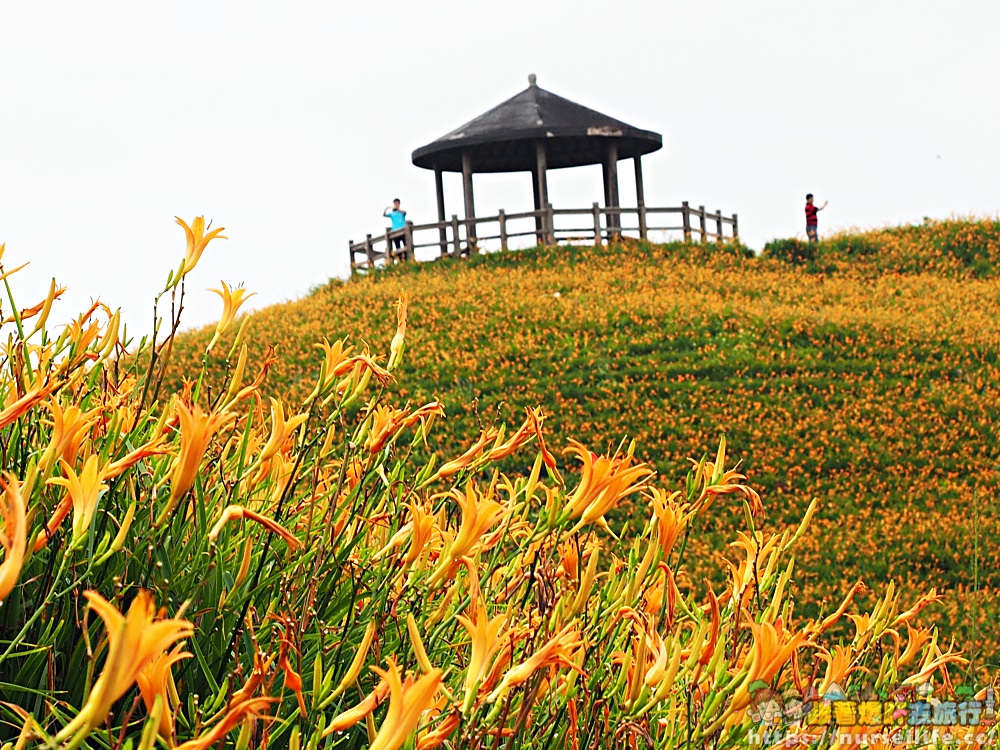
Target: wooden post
390, 256
718, 223
686, 219
409, 254
736, 228
640, 198
550, 231
611, 189
704, 223
536, 191
541, 164
455, 238
350, 248
597, 224
368, 251
439, 189
470, 203
502, 218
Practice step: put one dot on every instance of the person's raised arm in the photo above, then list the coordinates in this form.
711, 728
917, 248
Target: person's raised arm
387, 210
823, 206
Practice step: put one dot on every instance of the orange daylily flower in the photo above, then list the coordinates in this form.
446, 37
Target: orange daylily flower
338, 362
479, 513
352, 716
197, 241
13, 535
527, 430
82, 493
486, 638
134, 641
155, 447
396, 345
606, 480
237, 712
456, 465
232, 300
915, 640
197, 429
407, 702
153, 680
433, 738
386, 421
670, 518
14, 408
718, 481
69, 427
234, 512
293, 680
557, 651
773, 646
281, 429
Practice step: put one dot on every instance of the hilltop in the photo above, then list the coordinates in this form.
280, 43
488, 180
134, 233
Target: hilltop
862, 371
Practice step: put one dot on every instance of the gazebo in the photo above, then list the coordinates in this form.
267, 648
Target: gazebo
535, 131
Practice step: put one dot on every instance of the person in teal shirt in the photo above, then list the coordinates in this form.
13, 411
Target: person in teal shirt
398, 218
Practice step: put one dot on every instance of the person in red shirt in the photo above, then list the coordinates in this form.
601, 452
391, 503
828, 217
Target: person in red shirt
812, 222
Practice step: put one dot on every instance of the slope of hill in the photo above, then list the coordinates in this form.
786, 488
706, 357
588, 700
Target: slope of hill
863, 372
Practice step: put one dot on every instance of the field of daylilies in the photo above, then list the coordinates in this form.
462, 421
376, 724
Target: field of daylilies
450, 505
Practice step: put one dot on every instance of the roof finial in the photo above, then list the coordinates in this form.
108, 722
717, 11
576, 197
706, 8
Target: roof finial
532, 79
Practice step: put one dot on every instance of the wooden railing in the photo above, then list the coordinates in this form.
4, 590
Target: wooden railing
462, 237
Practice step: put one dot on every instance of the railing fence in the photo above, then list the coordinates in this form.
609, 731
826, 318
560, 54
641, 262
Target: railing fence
461, 237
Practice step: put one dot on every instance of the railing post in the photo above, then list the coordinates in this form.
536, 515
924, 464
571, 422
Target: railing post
409, 254
703, 223
455, 238
686, 219
736, 228
390, 257
502, 218
350, 248
718, 223
368, 251
550, 230
597, 225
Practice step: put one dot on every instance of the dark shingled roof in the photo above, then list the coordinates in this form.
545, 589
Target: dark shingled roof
503, 139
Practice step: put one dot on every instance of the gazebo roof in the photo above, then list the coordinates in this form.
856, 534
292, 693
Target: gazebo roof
503, 139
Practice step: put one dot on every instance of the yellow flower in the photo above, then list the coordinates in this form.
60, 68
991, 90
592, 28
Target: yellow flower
232, 299
197, 241
13, 535
83, 492
197, 429
407, 702
134, 641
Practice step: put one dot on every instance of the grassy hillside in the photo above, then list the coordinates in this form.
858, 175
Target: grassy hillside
863, 372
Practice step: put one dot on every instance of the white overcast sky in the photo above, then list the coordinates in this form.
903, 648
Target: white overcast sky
292, 123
